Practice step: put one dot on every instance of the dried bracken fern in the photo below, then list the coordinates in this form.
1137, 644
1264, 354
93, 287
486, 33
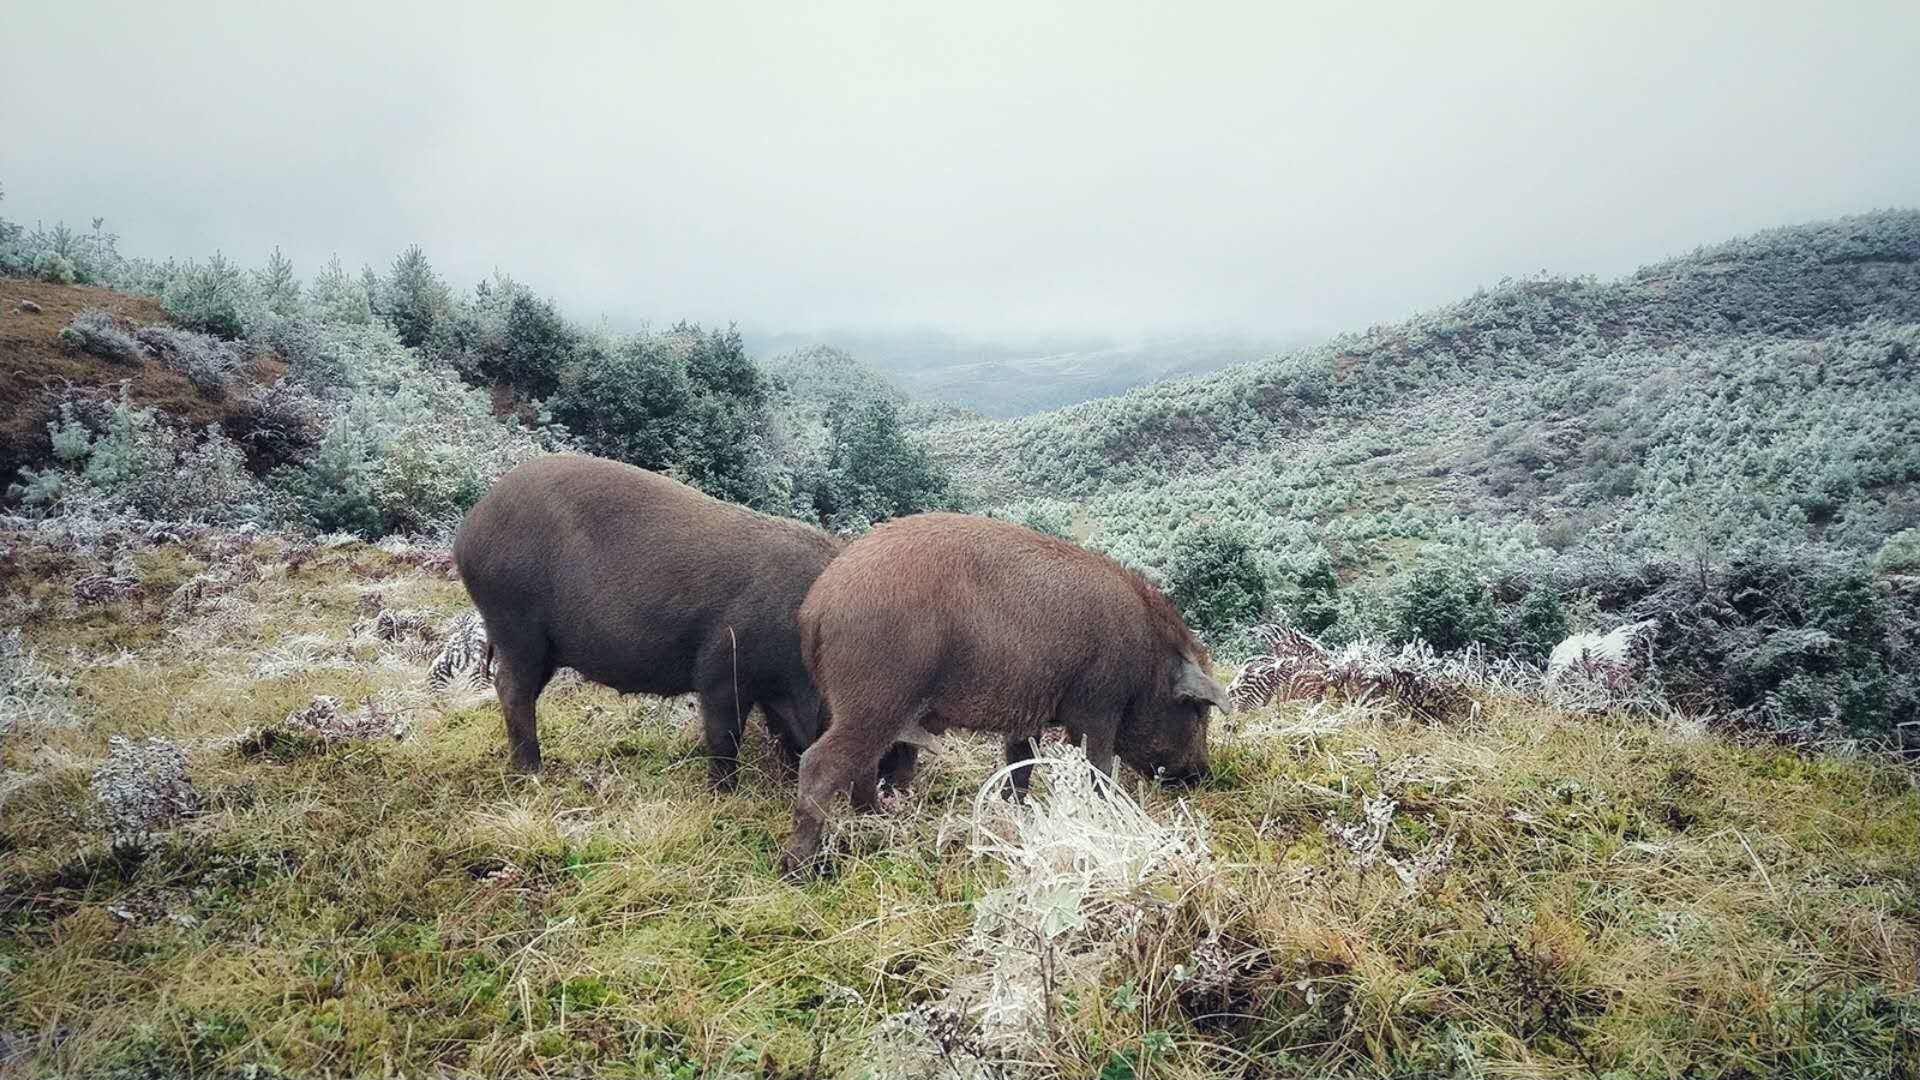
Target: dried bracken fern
465, 660
93, 589
412, 633
1605, 672
1413, 678
324, 718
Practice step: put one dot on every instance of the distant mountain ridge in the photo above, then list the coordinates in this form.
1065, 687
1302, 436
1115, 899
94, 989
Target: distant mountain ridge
1009, 378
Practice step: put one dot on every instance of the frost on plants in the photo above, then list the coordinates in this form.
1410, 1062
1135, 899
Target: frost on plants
1089, 872
29, 693
142, 787
465, 658
324, 718
1293, 666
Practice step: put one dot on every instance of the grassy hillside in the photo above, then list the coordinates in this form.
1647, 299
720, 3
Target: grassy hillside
1518, 892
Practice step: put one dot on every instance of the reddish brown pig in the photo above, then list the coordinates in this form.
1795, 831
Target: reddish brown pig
643, 584
951, 621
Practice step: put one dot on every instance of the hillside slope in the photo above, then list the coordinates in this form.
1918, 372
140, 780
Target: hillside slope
36, 368
1767, 380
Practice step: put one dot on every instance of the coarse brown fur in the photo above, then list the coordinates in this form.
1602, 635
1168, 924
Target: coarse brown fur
643, 584
954, 621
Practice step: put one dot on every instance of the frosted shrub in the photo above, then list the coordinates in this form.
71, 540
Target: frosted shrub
211, 483
276, 423
337, 297
98, 333
406, 446
1446, 603
207, 362
426, 482
211, 296
1900, 554
431, 478
142, 788
1218, 585
126, 458
12, 258
333, 488
29, 693
1050, 516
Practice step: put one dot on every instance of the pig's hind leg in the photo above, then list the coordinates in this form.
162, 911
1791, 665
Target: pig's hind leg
721, 713
524, 665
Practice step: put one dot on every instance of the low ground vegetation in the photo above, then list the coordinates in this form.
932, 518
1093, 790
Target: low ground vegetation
323, 868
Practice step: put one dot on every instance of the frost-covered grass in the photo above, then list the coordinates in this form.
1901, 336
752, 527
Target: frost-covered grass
1522, 892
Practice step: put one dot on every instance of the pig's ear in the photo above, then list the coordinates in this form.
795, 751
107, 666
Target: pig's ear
1193, 684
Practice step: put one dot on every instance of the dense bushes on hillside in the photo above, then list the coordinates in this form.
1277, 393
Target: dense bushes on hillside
1218, 585
1522, 366
873, 470
1797, 641
1457, 469
112, 455
398, 375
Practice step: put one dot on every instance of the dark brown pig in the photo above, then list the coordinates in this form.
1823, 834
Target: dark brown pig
951, 621
643, 584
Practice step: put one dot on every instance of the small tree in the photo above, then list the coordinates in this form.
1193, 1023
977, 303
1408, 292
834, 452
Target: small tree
627, 400
277, 287
1216, 582
1445, 604
508, 335
1308, 591
337, 297
208, 297
1539, 622
414, 299
876, 471
12, 259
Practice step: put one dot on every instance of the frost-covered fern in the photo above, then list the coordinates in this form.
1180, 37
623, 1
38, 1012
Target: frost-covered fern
1089, 871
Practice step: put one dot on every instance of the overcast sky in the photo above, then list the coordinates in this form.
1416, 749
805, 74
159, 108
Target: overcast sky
985, 167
